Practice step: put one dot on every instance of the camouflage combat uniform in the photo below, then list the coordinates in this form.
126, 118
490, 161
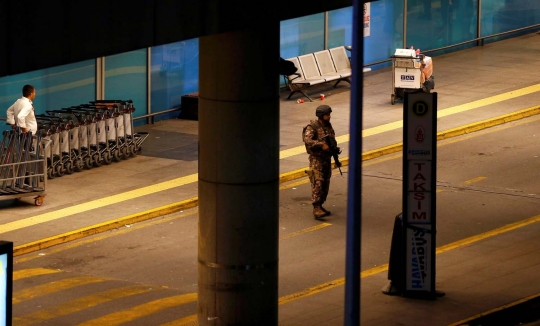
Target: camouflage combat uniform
319, 160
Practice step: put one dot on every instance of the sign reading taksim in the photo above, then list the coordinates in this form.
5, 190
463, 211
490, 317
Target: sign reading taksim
419, 185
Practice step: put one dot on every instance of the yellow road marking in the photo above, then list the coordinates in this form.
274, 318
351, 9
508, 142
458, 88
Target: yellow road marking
461, 322
382, 268
440, 114
26, 273
145, 309
93, 204
79, 304
43, 245
307, 230
489, 234
44, 289
489, 100
468, 182
298, 173
189, 320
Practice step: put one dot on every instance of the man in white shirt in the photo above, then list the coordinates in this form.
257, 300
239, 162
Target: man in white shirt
21, 113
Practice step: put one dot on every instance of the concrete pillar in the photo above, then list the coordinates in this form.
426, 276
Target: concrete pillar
239, 177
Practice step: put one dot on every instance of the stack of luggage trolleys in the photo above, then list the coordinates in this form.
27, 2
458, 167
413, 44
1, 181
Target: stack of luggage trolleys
89, 135
22, 165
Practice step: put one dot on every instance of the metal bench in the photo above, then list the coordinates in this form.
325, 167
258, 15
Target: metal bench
317, 68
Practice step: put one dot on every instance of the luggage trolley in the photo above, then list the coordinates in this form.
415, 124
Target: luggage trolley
23, 168
410, 70
131, 141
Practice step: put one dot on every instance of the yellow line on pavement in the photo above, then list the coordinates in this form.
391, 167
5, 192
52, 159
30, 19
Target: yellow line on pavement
285, 177
189, 320
440, 114
102, 227
382, 268
489, 100
79, 305
26, 273
93, 204
464, 321
307, 230
81, 233
143, 310
468, 182
44, 289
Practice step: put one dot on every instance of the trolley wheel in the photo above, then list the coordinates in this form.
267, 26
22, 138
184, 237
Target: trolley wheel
125, 152
88, 162
96, 161
393, 99
131, 150
107, 159
39, 200
117, 155
60, 170
69, 167
79, 165
50, 172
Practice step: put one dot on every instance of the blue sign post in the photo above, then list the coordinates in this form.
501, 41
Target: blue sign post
6, 282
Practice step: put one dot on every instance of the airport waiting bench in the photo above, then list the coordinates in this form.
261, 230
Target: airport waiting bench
318, 68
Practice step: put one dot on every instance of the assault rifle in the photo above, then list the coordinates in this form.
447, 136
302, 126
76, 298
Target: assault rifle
334, 150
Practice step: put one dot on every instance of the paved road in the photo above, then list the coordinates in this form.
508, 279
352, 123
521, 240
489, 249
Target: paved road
146, 274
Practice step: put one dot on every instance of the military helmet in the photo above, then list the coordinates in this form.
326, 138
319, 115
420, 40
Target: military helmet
322, 110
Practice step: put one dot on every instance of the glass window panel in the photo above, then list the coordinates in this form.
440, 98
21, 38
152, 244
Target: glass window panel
299, 36
434, 24
504, 15
125, 79
175, 72
56, 87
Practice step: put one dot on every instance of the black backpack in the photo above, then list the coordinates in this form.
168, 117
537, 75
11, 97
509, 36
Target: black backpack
286, 67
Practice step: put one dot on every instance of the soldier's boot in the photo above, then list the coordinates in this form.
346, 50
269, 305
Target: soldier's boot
318, 212
326, 211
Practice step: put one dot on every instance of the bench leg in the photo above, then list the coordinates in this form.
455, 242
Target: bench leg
301, 91
347, 79
289, 97
309, 98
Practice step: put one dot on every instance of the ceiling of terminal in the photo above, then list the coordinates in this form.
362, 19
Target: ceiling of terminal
41, 34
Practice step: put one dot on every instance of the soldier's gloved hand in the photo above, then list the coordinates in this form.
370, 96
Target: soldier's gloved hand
325, 147
338, 150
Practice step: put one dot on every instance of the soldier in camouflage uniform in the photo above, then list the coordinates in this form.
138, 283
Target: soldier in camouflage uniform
319, 158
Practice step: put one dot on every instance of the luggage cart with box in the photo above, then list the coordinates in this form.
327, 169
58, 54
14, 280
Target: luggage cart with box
410, 71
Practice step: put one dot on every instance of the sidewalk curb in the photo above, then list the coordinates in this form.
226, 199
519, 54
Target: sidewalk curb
285, 177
